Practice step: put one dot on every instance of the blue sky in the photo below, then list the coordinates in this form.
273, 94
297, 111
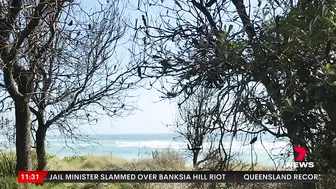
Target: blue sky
152, 117
154, 114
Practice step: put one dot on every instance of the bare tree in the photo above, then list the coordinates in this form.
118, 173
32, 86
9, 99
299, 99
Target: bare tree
7, 131
57, 60
19, 21
80, 81
195, 123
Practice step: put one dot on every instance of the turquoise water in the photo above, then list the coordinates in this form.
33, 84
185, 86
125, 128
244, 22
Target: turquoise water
136, 146
129, 146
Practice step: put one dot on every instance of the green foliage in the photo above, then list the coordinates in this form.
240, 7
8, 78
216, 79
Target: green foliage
49, 156
297, 45
277, 70
120, 186
8, 183
7, 165
331, 72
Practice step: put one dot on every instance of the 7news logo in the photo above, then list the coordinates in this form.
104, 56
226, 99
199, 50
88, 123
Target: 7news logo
299, 163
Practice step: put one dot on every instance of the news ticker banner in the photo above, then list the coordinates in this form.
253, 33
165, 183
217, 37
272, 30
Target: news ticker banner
165, 176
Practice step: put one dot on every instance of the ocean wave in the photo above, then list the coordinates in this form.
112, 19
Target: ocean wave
81, 145
151, 144
157, 144
183, 145
174, 145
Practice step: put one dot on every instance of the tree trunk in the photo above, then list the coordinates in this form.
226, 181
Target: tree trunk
195, 159
23, 126
40, 147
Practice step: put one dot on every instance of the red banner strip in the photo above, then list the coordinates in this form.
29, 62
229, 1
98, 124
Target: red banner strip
31, 176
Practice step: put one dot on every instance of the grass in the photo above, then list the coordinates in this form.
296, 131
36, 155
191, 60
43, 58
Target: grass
165, 160
7, 164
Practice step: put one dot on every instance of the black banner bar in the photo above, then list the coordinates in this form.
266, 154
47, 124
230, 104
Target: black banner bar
179, 176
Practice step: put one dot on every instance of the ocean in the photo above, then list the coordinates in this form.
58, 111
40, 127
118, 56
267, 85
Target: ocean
138, 146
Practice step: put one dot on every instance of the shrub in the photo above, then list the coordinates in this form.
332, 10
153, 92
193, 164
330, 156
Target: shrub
70, 159
7, 164
169, 160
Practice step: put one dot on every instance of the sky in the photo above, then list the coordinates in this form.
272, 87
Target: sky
153, 114
153, 117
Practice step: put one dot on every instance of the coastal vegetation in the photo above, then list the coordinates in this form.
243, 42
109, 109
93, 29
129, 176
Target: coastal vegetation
269, 66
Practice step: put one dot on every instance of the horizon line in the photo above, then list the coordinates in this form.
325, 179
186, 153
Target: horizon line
119, 133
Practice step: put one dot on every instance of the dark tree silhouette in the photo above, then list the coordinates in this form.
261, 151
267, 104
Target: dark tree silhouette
19, 22
80, 80
57, 62
195, 123
268, 61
